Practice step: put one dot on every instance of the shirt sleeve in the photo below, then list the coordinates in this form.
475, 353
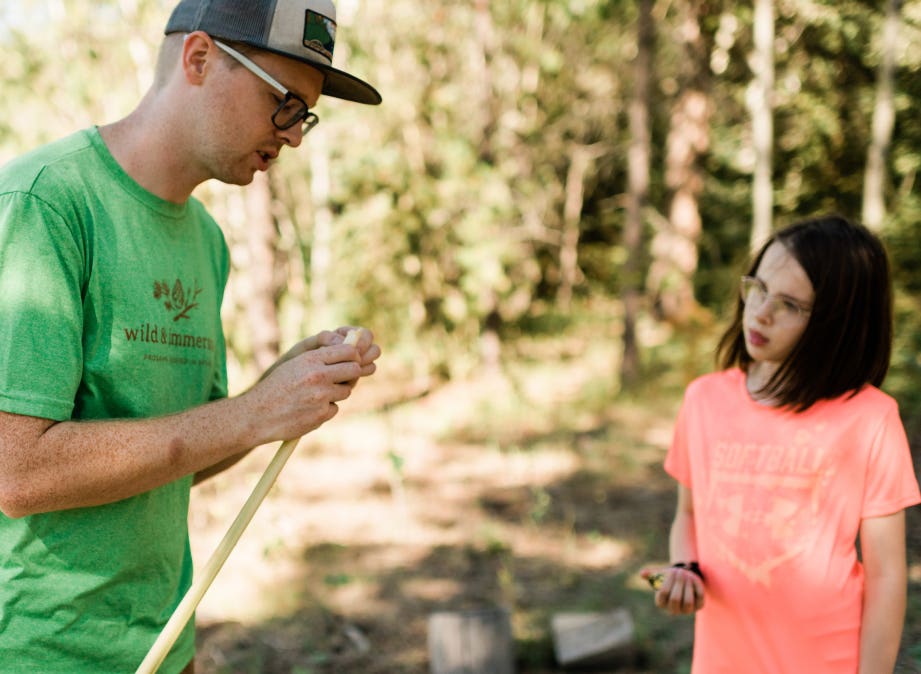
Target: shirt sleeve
891, 482
41, 276
677, 461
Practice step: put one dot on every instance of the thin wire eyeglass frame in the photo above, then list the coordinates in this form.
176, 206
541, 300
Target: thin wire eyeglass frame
300, 113
754, 295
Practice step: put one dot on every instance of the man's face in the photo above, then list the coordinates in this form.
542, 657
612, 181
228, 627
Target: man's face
243, 138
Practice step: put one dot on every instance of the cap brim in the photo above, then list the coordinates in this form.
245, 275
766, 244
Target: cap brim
338, 84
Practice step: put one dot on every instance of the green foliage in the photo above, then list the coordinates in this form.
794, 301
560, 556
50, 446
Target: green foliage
448, 200
905, 371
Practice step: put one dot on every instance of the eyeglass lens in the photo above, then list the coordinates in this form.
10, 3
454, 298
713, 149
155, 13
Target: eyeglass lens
292, 111
754, 295
752, 291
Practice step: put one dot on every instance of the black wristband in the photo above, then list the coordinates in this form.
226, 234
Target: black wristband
693, 567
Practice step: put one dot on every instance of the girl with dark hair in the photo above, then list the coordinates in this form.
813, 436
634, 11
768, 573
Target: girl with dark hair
784, 458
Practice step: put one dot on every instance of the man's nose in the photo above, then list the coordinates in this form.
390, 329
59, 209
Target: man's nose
292, 136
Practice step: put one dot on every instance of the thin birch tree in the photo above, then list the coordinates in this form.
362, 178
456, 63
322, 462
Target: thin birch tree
874, 206
760, 102
674, 247
638, 163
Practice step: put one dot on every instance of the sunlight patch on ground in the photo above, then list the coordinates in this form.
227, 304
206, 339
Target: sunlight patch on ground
401, 501
432, 589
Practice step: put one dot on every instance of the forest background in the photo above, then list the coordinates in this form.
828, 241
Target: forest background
544, 224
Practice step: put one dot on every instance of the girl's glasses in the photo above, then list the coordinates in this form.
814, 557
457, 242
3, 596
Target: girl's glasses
291, 110
754, 294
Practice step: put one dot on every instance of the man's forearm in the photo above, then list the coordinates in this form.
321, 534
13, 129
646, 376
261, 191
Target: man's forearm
47, 466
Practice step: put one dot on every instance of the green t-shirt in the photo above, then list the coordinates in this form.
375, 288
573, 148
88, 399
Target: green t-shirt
109, 308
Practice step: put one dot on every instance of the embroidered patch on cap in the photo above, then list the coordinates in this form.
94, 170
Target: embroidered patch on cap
320, 34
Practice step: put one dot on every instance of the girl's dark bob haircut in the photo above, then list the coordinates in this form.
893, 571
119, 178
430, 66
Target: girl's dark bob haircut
847, 342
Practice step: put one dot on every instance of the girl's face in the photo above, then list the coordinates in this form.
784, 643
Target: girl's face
776, 309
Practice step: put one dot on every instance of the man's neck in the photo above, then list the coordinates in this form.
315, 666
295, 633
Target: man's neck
136, 143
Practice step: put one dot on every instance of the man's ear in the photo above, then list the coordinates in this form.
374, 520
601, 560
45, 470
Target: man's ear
198, 51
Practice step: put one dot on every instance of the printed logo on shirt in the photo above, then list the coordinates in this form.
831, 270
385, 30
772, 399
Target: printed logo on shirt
148, 333
772, 488
178, 300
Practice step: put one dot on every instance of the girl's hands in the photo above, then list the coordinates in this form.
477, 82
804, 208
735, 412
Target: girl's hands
679, 591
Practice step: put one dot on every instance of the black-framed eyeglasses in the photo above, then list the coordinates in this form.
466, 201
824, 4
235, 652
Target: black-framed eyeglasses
754, 294
292, 110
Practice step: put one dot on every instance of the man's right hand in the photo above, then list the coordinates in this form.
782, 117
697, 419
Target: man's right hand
302, 390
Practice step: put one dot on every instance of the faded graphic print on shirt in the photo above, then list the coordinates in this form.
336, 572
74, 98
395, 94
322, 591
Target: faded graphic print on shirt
773, 488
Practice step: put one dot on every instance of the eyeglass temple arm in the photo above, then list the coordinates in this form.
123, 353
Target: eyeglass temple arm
250, 65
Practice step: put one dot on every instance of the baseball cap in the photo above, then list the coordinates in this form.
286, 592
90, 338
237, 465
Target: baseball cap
304, 30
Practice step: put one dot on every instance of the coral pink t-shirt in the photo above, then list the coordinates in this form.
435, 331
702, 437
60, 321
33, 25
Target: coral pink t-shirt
778, 500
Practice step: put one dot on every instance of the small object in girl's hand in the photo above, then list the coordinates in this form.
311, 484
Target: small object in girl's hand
656, 579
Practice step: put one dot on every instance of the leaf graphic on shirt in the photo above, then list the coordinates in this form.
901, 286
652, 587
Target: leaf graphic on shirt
179, 300
178, 295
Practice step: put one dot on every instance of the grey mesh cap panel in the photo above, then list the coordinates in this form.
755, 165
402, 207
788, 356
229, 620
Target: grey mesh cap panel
232, 19
277, 26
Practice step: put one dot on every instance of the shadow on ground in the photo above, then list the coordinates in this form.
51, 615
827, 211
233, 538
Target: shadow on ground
439, 506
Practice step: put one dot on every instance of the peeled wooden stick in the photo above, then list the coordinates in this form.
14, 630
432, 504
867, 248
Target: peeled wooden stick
203, 580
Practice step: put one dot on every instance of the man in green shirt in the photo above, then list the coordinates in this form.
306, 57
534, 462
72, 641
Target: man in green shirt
113, 391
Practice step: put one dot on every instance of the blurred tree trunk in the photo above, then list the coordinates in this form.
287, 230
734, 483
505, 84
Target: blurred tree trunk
141, 54
638, 163
580, 160
674, 247
760, 102
321, 254
265, 288
874, 206
486, 103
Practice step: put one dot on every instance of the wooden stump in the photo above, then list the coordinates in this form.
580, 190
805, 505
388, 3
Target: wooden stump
591, 639
471, 642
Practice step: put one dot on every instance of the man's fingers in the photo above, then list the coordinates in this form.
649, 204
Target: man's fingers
371, 354
360, 339
344, 371
338, 353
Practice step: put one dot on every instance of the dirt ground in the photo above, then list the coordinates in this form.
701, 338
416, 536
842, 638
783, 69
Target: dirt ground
528, 490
